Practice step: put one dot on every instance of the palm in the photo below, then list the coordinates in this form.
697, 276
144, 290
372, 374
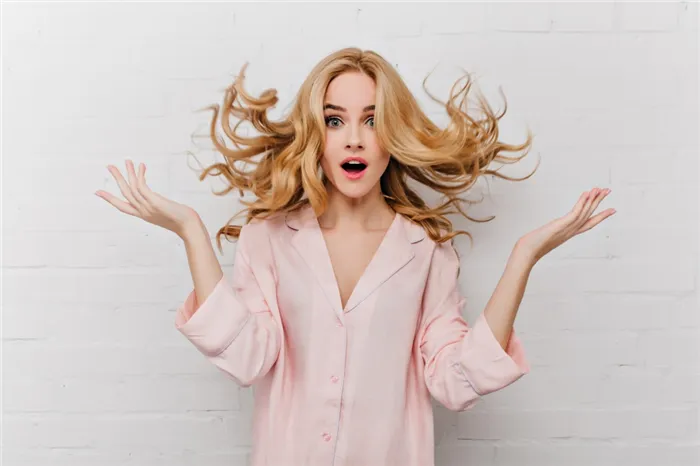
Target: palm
543, 240
143, 203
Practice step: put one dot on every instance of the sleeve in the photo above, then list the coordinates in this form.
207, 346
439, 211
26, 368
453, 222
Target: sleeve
234, 327
462, 363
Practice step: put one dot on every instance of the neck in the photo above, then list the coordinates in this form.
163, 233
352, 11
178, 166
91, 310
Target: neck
369, 212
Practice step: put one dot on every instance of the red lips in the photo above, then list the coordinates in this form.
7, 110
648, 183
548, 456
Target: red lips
354, 171
355, 159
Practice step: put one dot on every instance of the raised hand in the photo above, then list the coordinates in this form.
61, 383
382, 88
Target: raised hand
143, 203
543, 240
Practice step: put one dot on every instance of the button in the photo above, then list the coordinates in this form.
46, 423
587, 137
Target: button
326, 436
334, 379
338, 323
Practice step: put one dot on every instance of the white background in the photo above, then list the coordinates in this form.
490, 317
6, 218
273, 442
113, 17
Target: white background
94, 372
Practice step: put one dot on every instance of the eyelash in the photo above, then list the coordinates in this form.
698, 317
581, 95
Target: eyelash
331, 117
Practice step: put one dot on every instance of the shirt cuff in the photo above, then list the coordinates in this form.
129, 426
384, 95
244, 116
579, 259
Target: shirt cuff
212, 325
485, 364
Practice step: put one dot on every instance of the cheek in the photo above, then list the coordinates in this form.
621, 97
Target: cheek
325, 165
330, 154
333, 148
374, 148
382, 157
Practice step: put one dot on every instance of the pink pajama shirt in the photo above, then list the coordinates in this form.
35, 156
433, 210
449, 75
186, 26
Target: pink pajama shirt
353, 386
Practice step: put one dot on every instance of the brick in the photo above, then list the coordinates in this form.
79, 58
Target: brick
582, 17
144, 433
520, 17
454, 18
26, 359
578, 453
648, 16
86, 286
122, 394
130, 323
385, 20
87, 457
579, 423
98, 250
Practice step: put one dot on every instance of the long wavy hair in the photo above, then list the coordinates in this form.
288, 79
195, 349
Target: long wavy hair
279, 168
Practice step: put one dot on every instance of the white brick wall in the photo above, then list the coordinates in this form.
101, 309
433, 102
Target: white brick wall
94, 372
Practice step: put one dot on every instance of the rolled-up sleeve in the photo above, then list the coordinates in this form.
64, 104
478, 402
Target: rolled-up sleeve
233, 327
462, 363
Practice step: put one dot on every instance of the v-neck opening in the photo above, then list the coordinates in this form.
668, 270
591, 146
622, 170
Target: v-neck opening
343, 308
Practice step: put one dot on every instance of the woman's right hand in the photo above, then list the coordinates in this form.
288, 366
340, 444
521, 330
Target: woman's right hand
146, 204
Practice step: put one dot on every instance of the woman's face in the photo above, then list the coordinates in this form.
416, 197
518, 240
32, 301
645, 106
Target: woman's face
353, 161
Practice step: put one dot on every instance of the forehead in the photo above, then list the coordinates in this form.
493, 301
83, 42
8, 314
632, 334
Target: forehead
352, 90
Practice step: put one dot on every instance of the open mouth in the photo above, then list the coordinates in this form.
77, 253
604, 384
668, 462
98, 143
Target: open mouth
354, 166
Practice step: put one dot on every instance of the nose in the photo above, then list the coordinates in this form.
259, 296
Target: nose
355, 145
355, 139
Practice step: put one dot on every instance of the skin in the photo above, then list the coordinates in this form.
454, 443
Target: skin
357, 216
353, 204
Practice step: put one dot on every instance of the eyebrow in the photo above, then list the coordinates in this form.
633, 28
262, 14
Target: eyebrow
341, 109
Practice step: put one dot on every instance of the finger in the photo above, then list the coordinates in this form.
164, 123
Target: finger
587, 208
118, 203
124, 187
596, 198
595, 220
141, 184
133, 182
147, 192
154, 199
573, 216
583, 214
573, 219
581, 201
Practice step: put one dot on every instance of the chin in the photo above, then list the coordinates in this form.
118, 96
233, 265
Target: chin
354, 190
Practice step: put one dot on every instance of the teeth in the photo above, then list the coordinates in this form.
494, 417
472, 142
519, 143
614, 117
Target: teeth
354, 162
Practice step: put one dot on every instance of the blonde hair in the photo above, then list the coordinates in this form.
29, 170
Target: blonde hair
286, 154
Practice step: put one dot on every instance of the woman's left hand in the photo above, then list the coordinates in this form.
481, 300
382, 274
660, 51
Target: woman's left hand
543, 240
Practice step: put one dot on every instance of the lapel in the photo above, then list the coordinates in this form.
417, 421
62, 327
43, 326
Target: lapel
394, 252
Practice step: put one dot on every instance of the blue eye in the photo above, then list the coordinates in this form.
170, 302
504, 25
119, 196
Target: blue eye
331, 118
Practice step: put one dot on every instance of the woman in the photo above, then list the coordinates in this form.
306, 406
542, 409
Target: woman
344, 311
